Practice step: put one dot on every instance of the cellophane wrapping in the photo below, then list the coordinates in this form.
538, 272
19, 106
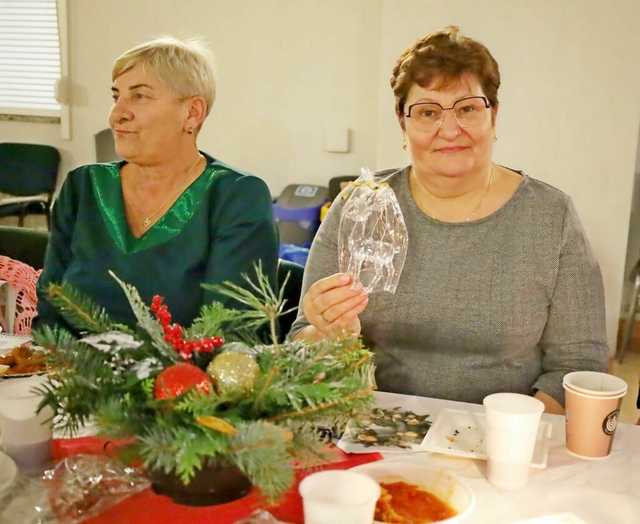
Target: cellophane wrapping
372, 236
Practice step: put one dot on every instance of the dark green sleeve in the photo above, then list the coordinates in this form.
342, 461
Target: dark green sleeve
243, 233
58, 255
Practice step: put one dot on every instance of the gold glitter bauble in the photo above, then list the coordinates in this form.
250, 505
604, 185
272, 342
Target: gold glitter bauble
233, 373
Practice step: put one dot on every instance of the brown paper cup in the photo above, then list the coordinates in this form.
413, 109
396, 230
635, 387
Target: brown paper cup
592, 417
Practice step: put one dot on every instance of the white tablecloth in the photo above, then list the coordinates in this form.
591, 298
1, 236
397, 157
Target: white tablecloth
598, 491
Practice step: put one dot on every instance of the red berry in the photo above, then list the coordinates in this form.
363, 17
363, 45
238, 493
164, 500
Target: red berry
157, 299
217, 341
156, 303
180, 378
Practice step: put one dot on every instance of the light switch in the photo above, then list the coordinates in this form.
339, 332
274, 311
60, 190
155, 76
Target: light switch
336, 139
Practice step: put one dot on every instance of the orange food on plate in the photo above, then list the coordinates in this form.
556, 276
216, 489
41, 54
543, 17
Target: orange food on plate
23, 360
404, 503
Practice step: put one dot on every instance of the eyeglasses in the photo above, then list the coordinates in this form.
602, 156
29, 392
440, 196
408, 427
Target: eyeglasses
469, 112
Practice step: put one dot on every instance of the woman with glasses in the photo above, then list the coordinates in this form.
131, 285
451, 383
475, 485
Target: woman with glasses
168, 217
500, 290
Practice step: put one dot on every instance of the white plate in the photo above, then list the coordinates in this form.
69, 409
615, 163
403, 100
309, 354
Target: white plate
8, 472
443, 484
461, 434
8, 342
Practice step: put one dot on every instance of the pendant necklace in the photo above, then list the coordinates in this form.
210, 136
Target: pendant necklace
477, 207
484, 195
147, 220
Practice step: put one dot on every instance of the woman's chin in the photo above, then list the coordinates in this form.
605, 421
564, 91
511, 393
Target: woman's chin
126, 153
453, 170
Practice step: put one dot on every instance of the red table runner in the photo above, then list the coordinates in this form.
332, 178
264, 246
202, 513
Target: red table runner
149, 507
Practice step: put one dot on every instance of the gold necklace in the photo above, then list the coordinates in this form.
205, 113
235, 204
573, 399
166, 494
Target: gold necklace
149, 219
484, 195
470, 215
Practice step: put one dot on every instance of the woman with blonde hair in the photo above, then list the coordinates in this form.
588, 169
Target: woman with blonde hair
168, 217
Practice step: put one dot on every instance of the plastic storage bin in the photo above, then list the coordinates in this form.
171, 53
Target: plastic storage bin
297, 213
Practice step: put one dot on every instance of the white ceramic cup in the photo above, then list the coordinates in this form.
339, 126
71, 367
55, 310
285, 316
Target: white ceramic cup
24, 435
512, 423
339, 497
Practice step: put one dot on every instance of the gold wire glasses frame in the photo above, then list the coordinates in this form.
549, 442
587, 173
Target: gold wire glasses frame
468, 111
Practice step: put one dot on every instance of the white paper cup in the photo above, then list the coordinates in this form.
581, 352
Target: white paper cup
339, 497
24, 435
592, 406
511, 428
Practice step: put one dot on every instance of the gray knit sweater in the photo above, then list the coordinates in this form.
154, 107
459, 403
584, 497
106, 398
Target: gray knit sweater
510, 302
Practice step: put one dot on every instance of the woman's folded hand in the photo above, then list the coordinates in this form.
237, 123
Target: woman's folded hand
332, 306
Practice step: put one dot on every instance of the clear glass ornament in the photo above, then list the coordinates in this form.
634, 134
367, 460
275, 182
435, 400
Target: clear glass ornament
372, 237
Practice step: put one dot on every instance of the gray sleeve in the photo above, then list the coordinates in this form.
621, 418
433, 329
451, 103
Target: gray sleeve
574, 337
323, 258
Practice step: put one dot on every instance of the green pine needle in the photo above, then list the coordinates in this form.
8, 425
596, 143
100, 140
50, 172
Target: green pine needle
263, 305
261, 451
78, 310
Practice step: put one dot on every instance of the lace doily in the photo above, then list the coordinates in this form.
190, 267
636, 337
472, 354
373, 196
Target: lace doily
23, 278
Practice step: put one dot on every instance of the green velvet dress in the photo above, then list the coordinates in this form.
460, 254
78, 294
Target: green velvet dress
215, 231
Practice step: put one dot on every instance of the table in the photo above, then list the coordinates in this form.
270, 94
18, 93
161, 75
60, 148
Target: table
599, 492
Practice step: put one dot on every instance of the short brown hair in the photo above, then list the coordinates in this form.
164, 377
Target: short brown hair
445, 55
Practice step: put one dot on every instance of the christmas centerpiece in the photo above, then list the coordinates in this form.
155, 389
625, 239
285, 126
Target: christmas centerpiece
209, 409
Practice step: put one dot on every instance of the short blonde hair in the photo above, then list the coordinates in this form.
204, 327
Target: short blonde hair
186, 66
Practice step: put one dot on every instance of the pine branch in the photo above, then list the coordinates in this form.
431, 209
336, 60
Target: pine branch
182, 450
197, 404
53, 337
260, 450
308, 445
120, 417
231, 324
194, 448
264, 305
146, 320
317, 408
214, 319
266, 383
78, 310
157, 449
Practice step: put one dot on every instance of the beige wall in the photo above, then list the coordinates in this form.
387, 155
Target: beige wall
570, 101
287, 69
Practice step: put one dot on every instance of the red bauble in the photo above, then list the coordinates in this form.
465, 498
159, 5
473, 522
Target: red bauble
180, 378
